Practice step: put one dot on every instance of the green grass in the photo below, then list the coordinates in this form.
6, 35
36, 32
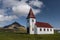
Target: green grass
18, 36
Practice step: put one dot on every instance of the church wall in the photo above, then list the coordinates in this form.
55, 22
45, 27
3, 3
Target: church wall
32, 25
35, 30
42, 31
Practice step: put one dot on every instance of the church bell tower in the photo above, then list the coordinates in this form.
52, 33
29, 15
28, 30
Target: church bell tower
31, 22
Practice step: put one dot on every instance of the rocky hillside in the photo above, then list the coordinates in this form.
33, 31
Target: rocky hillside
15, 27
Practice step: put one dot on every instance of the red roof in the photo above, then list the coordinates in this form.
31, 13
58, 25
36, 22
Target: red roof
42, 24
31, 14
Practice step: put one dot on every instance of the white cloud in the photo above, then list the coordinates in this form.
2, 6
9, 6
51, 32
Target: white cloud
36, 3
24, 0
20, 8
4, 17
36, 11
7, 18
9, 3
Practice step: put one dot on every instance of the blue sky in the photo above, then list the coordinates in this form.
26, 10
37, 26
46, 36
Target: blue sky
17, 10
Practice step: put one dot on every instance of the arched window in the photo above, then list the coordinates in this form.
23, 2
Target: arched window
44, 29
50, 29
32, 20
47, 29
40, 29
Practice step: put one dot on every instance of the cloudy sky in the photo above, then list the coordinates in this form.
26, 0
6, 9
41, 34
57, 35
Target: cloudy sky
17, 10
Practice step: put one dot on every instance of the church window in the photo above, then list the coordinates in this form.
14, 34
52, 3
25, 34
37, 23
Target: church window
40, 29
47, 29
50, 29
32, 20
44, 29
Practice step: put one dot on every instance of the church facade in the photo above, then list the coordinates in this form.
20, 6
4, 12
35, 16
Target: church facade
34, 27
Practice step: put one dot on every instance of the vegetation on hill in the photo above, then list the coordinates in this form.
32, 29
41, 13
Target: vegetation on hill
19, 36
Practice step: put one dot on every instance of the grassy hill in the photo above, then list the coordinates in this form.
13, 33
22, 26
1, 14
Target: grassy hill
19, 36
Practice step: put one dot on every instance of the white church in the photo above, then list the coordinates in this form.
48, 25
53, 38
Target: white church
34, 27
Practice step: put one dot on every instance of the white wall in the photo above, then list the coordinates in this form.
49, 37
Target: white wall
45, 32
32, 25
35, 30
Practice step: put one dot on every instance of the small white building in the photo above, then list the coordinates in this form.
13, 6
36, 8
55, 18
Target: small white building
34, 27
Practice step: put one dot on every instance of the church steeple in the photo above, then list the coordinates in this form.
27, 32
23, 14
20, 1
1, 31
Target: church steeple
31, 14
31, 22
